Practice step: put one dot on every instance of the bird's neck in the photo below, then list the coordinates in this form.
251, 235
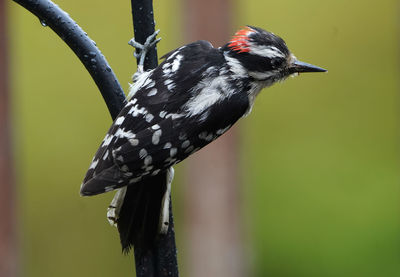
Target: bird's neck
244, 82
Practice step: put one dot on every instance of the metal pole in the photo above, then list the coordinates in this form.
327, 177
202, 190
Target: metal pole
161, 260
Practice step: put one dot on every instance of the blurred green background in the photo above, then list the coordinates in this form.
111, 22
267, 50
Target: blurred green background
319, 153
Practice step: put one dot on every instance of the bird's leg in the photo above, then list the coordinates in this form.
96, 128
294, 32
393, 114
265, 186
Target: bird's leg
141, 51
164, 215
115, 206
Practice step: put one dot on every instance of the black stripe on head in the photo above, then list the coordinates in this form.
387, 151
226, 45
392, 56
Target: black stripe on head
264, 38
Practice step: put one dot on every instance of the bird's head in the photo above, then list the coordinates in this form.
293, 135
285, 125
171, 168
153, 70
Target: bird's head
263, 56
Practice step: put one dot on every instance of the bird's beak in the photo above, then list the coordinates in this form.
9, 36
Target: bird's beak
299, 66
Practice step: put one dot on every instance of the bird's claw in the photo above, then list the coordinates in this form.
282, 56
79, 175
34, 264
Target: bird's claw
142, 49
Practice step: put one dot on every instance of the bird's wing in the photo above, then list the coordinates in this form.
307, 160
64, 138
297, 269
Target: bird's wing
168, 117
156, 148
155, 94
170, 85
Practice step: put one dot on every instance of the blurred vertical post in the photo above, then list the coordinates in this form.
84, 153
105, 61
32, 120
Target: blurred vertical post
212, 217
8, 256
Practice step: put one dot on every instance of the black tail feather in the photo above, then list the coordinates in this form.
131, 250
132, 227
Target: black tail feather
138, 221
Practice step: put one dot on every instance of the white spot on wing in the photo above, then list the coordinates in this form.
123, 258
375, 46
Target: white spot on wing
189, 149
148, 160
203, 135
174, 116
166, 65
149, 117
210, 137
152, 92
170, 84
107, 140
105, 155
142, 153
120, 158
167, 71
173, 151
206, 136
185, 144
134, 142
121, 133
94, 164
119, 120
167, 145
176, 63
135, 111
221, 131
156, 137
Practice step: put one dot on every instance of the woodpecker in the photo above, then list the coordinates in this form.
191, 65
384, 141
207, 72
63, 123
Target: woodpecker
193, 97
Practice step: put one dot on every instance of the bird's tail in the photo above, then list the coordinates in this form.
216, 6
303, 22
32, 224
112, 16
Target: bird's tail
144, 211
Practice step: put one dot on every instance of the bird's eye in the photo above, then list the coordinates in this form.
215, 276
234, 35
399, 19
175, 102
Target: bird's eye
275, 63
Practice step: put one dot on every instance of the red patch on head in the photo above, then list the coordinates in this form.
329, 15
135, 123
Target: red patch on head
240, 41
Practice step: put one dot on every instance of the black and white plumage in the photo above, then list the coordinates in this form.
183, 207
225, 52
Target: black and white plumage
194, 96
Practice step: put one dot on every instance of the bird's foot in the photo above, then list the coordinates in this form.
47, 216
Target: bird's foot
142, 49
163, 224
115, 206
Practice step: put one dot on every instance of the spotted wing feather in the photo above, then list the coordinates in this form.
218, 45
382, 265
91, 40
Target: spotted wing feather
166, 120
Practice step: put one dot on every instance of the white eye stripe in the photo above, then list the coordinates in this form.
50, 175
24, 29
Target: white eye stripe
263, 75
267, 52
